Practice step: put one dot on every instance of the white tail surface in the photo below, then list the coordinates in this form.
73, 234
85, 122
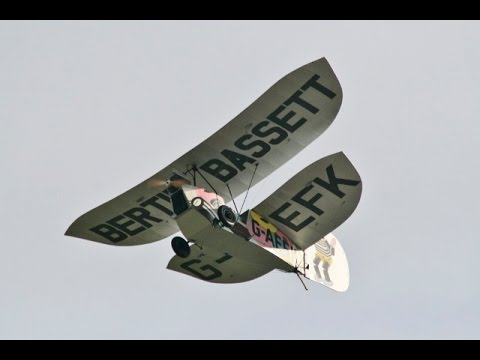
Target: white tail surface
326, 263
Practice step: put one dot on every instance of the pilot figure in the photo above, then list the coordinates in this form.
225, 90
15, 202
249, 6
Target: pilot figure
324, 253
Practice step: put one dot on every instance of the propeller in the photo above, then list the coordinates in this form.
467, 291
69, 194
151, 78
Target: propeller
176, 183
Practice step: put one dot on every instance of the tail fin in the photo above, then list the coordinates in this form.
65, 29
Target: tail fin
326, 263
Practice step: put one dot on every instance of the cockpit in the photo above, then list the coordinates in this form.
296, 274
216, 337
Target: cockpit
184, 195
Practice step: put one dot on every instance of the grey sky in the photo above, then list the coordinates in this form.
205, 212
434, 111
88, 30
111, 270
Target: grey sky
90, 109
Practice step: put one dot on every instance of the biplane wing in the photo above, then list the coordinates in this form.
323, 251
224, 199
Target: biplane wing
315, 201
217, 267
219, 256
278, 125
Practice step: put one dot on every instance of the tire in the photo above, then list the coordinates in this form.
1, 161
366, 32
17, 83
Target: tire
227, 216
180, 247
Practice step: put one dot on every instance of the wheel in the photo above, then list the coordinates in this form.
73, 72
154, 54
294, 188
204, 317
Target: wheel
180, 246
227, 216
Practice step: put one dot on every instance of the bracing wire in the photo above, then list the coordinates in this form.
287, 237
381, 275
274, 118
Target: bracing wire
203, 177
249, 185
234, 204
298, 272
299, 277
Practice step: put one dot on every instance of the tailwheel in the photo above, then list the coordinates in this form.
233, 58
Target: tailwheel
180, 246
227, 216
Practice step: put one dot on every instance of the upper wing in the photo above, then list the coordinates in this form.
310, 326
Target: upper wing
280, 123
315, 201
139, 216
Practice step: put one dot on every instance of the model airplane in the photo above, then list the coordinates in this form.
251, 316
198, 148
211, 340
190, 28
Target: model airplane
289, 231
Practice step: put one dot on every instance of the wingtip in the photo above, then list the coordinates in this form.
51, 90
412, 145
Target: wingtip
69, 231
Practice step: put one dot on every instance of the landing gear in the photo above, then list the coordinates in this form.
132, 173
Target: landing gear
227, 216
180, 246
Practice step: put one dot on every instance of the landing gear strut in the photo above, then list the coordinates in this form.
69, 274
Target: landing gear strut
180, 246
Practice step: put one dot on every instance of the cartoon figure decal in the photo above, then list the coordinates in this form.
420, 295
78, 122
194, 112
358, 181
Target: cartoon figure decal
324, 254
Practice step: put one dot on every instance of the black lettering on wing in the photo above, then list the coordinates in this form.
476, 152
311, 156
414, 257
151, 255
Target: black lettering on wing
333, 182
288, 220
